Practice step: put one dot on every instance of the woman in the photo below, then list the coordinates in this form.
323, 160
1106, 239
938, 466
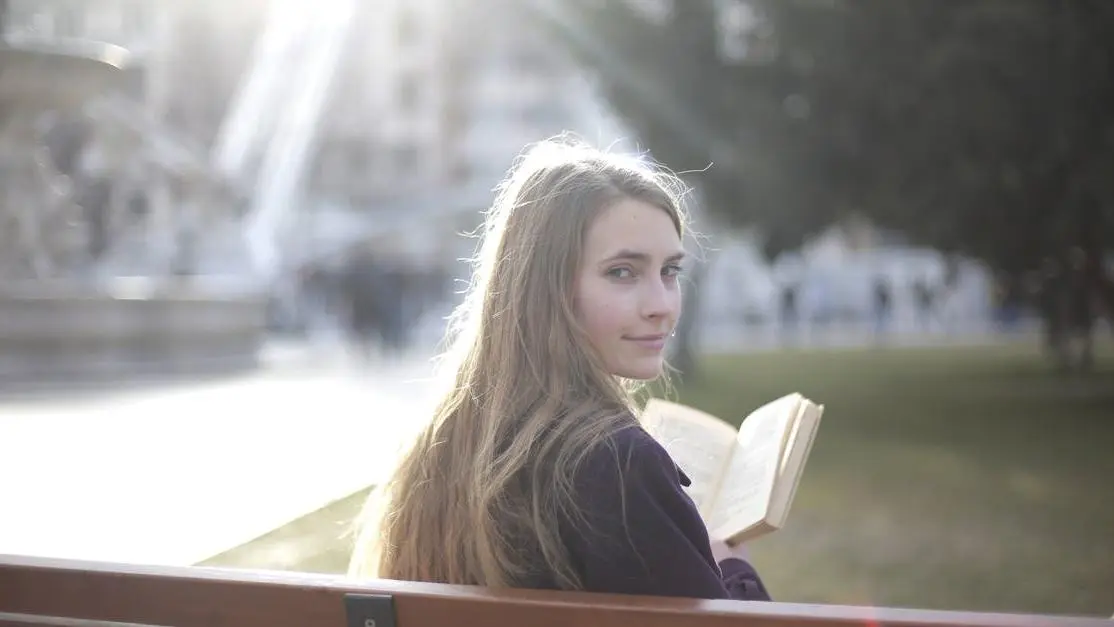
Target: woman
534, 471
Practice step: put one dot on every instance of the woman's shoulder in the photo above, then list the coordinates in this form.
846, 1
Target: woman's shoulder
630, 453
634, 440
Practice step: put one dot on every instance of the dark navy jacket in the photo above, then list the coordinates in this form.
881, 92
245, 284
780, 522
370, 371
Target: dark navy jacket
642, 534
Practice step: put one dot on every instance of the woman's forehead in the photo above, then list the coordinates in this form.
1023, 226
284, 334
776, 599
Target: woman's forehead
634, 230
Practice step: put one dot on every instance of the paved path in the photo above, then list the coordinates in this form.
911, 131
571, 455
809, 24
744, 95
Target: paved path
177, 474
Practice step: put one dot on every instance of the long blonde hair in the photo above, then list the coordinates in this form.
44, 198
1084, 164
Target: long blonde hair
477, 499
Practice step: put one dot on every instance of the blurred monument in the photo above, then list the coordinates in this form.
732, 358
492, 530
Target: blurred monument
99, 217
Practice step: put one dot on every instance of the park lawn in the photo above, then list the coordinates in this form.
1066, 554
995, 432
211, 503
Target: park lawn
951, 478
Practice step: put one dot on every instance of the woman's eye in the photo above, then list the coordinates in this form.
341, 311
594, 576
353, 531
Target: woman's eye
671, 270
620, 273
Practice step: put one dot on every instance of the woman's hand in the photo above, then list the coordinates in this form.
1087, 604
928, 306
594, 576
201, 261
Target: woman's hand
721, 550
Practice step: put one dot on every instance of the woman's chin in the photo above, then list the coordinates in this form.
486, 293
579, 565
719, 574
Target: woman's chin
641, 370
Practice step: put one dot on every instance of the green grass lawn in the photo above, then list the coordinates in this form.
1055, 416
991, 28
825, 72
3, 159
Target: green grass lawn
950, 478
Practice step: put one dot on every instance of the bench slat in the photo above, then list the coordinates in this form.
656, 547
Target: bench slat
8, 619
208, 597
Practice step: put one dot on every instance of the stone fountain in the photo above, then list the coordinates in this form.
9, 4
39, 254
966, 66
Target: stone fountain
65, 314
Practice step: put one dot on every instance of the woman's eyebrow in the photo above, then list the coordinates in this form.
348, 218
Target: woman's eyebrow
641, 257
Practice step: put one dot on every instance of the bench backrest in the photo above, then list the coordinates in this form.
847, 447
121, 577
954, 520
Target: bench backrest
37, 592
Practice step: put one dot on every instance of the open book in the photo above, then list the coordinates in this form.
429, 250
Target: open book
743, 481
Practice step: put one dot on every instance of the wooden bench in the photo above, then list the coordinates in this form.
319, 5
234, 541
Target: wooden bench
37, 592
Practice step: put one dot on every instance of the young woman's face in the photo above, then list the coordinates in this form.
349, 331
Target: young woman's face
627, 294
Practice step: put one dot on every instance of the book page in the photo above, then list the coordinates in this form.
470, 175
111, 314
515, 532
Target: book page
793, 462
748, 483
698, 442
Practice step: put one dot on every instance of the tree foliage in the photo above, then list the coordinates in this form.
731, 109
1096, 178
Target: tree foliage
983, 127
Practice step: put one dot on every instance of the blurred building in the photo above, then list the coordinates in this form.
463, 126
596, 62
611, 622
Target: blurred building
442, 93
434, 100
516, 87
384, 133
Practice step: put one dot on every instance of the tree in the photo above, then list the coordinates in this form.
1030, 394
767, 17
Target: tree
982, 128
